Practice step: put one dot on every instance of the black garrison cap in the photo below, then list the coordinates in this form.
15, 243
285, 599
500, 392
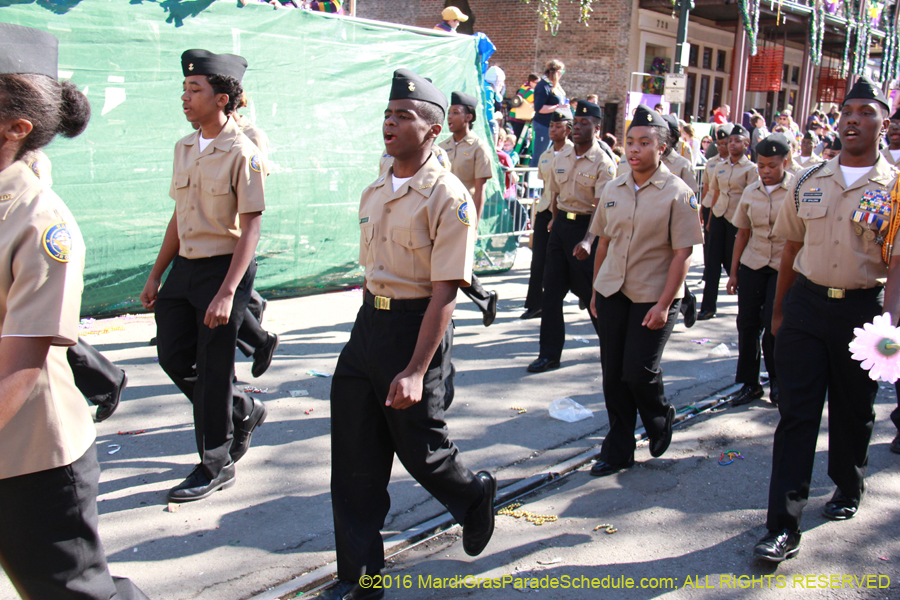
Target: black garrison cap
737, 129
463, 99
723, 131
775, 144
204, 62
406, 85
865, 89
588, 109
672, 122
27, 50
561, 114
644, 116
811, 136
896, 115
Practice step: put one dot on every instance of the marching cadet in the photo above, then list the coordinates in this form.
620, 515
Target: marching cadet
470, 161
721, 136
639, 273
892, 152
217, 184
49, 474
726, 186
579, 174
807, 156
560, 128
839, 223
417, 240
754, 266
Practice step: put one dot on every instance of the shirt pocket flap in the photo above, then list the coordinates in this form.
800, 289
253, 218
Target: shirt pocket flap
217, 187
812, 211
368, 231
561, 177
182, 180
411, 238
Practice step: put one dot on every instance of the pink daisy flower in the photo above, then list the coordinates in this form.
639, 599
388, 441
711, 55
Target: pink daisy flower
877, 346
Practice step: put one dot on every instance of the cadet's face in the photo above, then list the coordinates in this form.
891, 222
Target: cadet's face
861, 125
771, 168
582, 130
643, 150
894, 133
559, 130
722, 147
404, 129
737, 145
458, 118
828, 153
806, 147
198, 99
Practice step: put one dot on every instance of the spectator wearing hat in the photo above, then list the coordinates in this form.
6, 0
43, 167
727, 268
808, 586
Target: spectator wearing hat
452, 17
522, 110
892, 152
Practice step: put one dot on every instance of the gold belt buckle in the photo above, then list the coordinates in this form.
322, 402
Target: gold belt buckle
382, 303
836, 293
570, 216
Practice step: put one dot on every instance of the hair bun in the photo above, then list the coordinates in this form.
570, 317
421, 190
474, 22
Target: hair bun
75, 110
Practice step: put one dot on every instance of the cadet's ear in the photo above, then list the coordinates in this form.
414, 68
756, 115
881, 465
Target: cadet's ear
17, 130
433, 132
222, 101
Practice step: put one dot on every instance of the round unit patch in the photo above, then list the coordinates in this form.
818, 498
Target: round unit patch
693, 202
58, 242
254, 163
462, 213
611, 172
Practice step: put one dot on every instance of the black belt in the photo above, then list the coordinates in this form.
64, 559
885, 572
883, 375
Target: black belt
383, 303
570, 216
836, 293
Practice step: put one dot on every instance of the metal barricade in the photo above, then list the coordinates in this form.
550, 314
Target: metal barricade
515, 215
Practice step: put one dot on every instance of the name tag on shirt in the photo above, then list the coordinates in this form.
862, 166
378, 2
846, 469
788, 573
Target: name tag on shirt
364, 220
560, 170
610, 204
815, 199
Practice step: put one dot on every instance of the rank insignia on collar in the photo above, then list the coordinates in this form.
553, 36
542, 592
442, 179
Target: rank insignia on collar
412, 86
191, 67
425, 187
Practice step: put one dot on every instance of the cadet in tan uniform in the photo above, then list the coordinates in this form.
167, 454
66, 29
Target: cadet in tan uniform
646, 224
754, 266
832, 262
560, 128
807, 156
678, 165
892, 152
721, 136
580, 172
470, 161
49, 474
217, 184
726, 186
417, 240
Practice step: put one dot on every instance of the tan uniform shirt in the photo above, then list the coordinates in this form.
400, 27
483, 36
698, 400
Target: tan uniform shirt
545, 172
578, 182
889, 157
469, 160
757, 212
256, 135
42, 258
710, 168
644, 227
423, 232
387, 160
833, 254
211, 188
730, 180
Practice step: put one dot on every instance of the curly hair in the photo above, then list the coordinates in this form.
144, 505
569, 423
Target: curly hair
223, 84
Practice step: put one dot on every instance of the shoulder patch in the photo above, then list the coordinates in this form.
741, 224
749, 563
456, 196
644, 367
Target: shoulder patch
58, 242
255, 164
462, 213
693, 203
611, 171
36, 167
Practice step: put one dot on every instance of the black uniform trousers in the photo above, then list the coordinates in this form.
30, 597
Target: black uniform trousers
184, 341
564, 273
895, 414
49, 546
95, 376
707, 213
534, 297
477, 294
251, 335
630, 354
756, 298
813, 361
720, 243
365, 435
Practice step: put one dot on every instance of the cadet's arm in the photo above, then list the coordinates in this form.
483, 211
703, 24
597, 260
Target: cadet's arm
479, 197
657, 316
786, 278
21, 359
219, 310
740, 243
892, 290
602, 250
167, 253
406, 388
715, 198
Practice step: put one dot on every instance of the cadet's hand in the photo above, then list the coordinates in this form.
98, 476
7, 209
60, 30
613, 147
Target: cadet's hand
707, 225
731, 286
406, 390
549, 225
656, 317
593, 306
148, 295
582, 250
776, 320
219, 310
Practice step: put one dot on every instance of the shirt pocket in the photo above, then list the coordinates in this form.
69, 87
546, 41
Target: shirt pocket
813, 216
182, 186
411, 253
220, 201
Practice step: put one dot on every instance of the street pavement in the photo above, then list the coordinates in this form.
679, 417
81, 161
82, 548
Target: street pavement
677, 516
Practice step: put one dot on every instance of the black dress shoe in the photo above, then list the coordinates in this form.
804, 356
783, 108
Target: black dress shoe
351, 590
778, 546
531, 313
705, 315
543, 364
689, 309
773, 391
602, 468
262, 357
198, 486
747, 394
478, 526
840, 507
659, 445
491, 312
244, 430
106, 409
895, 445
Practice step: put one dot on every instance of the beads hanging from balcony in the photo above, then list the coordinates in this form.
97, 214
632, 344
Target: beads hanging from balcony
889, 61
548, 10
816, 31
750, 17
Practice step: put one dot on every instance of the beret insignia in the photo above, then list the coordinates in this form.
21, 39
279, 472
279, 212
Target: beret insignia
412, 86
191, 67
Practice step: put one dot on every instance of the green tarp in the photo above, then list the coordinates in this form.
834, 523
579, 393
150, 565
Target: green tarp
317, 85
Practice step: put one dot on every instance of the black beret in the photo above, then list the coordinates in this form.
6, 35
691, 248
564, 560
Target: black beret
406, 85
738, 129
588, 109
837, 145
27, 50
865, 89
896, 115
204, 62
811, 136
672, 122
775, 144
561, 114
463, 99
723, 131
644, 116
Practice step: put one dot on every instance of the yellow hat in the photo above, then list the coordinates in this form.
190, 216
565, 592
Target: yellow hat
451, 12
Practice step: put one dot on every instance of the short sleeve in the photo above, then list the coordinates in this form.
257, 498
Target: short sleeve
453, 248
598, 221
788, 225
607, 173
684, 226
741, 217
483, 167
250, 173
553, 184
687, 175
172, 185
713, 181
